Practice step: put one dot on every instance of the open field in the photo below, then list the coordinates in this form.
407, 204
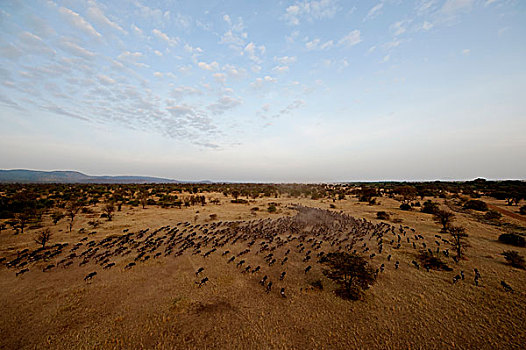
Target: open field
158, 303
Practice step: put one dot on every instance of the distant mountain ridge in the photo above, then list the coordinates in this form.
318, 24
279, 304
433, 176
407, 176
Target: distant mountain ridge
37, 176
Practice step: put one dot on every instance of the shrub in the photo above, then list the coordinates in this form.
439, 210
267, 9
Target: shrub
317, 284
271, 208
382, 215
433, 262
492, 215
405, 206
332, 206
512, 239
522, 210
514, 259
429, 207
351, 272
476, 204
239, 201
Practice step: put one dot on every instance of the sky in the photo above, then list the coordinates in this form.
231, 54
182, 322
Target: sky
265, 91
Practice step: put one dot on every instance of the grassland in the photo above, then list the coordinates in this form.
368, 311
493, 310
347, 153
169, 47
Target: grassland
157, 303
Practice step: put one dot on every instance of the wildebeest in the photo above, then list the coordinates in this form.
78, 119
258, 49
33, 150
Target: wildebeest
203, 281
90, 276
506, 286
282, 276
21, 272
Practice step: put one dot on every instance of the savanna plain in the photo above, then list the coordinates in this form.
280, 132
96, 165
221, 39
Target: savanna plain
241, 266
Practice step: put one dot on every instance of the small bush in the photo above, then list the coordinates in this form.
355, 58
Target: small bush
382, 215
492, 215
271, 208
213, 216
514, 259
433, 262
405, 206
429, 207
522, 210
476, 204
512, 239
317, 284
239, 201
332, 206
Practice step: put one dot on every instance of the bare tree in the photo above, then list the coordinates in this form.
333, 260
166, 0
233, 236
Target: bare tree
109, 209
458, 235
43, 237
72, 210
444, 218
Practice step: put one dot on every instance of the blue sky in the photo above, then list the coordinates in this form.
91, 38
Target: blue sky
271, 91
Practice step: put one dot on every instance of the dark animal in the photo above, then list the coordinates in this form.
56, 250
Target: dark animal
203, 281
90, 276
282, 293
282, 276
506, 286
21, 272
307, 269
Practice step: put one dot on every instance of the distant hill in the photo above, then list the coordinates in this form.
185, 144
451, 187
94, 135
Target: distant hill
35, 176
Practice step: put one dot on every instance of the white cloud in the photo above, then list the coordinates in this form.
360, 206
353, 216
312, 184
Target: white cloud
165, 37
374, 12
224, 104
252, 51
316, 44
184, 91
220, 77
351, 39
137, 30
453, 7
105, 80
399, 28
96, 15
77, 21
310, 10
75, 49
158, 53
466, 51
426, 26
280, 69
260, 82
208, 66
158, 74
286, 60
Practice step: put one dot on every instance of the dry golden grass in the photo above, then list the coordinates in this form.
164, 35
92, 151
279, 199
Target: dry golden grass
157, 304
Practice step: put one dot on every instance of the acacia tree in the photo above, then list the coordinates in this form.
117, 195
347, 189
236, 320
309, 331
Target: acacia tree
458, 235
21, 220
43, 237
350, 271
109, 209
444, 218
143, 197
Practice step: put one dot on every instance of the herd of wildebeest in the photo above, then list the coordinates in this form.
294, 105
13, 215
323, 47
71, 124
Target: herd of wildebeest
259, 249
